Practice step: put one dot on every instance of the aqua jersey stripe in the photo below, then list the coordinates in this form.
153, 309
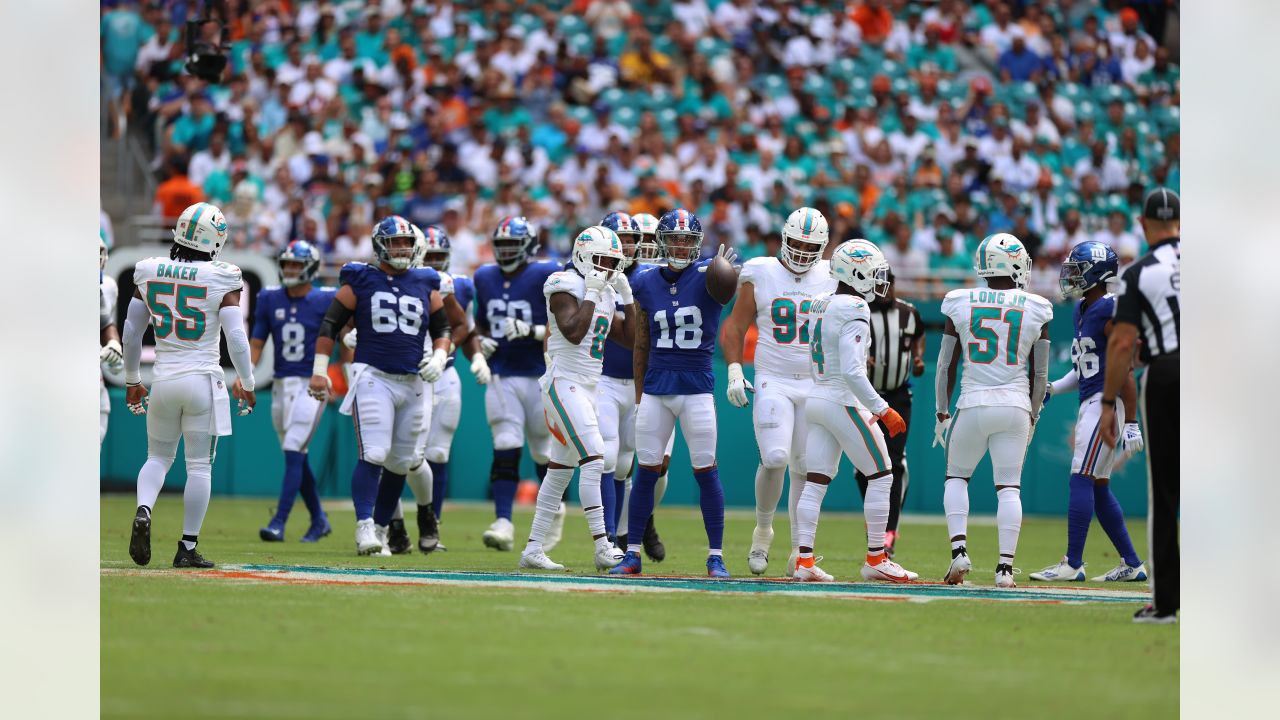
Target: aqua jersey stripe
868, 439
573, 434
195, 218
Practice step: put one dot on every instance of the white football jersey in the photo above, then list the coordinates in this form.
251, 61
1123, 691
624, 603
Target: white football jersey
997, 331
585, 360
834, 317
110, 293
184, 298
783, 322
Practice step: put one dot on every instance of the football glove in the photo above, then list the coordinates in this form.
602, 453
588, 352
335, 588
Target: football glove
350, 339
1132, 438
893, 422
480, 369
940, 432
112, 356
431, 367
518, 329
595, 284
739, 386
622, 287
488, 346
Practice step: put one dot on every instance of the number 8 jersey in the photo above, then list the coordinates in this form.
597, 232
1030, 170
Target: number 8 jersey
997, 330
183, 298
292, 324
391, 315
783, 300
584, 361
683, 322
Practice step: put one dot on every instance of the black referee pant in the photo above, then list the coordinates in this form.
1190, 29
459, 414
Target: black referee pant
1160, 403
899, 400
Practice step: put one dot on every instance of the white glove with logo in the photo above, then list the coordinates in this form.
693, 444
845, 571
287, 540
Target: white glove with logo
432, 366
622, 286
1132, 441
480, 369
446, 284
940, 432
739, 386
350, 339
112, 356
488, 346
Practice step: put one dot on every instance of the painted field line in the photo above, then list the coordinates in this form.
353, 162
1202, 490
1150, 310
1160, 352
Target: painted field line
918, 592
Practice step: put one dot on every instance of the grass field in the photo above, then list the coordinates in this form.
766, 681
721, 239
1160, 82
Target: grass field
184, 644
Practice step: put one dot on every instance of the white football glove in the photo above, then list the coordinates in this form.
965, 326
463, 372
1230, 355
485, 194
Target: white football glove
622, 286
727, 253
112, 356
940, 432
739, 386
446, 284
480, 369
350, 339
488, 346
595, 284
518, 329
1132, 438
432, 366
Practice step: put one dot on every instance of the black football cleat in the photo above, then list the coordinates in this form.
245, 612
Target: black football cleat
190, 558
653, 546
428, 530
398, 538
1150, 616
140, 540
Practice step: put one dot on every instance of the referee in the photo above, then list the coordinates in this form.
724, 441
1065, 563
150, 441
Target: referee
1146, 316
897, 348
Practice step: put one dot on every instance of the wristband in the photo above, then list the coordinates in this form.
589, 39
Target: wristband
1111, 402
321, 365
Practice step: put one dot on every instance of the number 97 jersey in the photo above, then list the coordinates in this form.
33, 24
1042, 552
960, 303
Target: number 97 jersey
783, 300
391, 315
997, 330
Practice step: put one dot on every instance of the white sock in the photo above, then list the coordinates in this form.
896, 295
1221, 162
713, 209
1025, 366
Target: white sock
875, 508
151, 480
768, 491
1008, 521
626, 501
549, 494
807, 510
793, 500
589, 493
716, 553
659, 490
420, 482
955, 501
195, 498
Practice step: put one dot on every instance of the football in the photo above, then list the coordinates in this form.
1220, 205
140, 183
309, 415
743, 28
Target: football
722, 280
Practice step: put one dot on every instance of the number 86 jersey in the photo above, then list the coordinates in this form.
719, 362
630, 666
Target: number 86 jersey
1089, 348
391, 315
997, 330
783, 300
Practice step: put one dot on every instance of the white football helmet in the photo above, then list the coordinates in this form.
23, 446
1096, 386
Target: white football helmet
804, 237
1003, 255
647, 249
593, 247
860, 265
201, 227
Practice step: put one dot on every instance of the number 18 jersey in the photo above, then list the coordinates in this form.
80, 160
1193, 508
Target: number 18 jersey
783, 300
997, 330
683, 322
391, 315
183, 298
582, 361
292, 324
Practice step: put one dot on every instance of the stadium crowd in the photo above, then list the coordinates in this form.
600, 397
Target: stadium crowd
923, 126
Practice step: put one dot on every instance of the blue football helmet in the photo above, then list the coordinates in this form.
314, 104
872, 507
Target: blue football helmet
1089, 264
303, 252
514, 242
628, 233
436, 248
388, 229
680, 237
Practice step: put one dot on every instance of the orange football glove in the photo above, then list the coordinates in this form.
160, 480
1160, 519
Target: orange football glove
893, 422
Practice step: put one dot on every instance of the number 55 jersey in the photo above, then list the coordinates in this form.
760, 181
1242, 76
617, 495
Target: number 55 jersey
183, 299
997, 330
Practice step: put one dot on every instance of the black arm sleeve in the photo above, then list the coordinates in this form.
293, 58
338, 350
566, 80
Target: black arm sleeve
439, 324
335, 318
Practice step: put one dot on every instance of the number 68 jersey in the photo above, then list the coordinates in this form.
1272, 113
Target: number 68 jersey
997, 330
183, 298
391, 315
783, 300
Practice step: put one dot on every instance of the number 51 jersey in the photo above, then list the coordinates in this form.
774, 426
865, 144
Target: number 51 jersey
391, 315
783, 300
683, 322
292, 323
997, 330
183, 298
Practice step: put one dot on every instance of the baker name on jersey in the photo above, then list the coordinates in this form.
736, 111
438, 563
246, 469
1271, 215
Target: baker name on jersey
177, 272
995, 296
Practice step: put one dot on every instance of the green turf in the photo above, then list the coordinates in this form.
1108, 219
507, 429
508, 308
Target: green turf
174, 645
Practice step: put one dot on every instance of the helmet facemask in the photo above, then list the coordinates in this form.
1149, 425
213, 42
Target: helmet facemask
680, 249
293, 273
630, 245
647, 248
1072, 280
437, 260
509, 252
799, 254
396, 251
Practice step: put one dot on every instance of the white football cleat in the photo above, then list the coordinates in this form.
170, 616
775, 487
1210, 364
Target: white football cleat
758, 561
608, 556
887, 571
500, 535
812, 574
383, 532
539, 561
960, 567
1062, 572
1004, 576
557, 529
367, 542
791, 562
1123, 573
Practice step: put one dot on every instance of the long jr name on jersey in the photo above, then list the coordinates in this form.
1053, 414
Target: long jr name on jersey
997, 330
183, 299
582, 361
784, 301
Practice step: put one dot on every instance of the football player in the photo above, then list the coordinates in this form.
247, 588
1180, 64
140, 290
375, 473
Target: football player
843, 411
187, 298
1001, 332
511, 319
1084, 276
582, 302
617, 401
396, 308
290, 315
111, 354
775, 295
675, 338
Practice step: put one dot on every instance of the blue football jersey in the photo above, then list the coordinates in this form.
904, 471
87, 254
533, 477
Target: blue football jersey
683, 322
500, 299
465, 291
292, 324
619, 360
391, 315
1089, 348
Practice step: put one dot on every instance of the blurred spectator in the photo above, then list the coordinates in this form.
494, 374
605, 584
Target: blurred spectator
1019, 63
177, 192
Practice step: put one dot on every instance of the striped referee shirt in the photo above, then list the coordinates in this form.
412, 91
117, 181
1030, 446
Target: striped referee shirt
1149, 297
894, 327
